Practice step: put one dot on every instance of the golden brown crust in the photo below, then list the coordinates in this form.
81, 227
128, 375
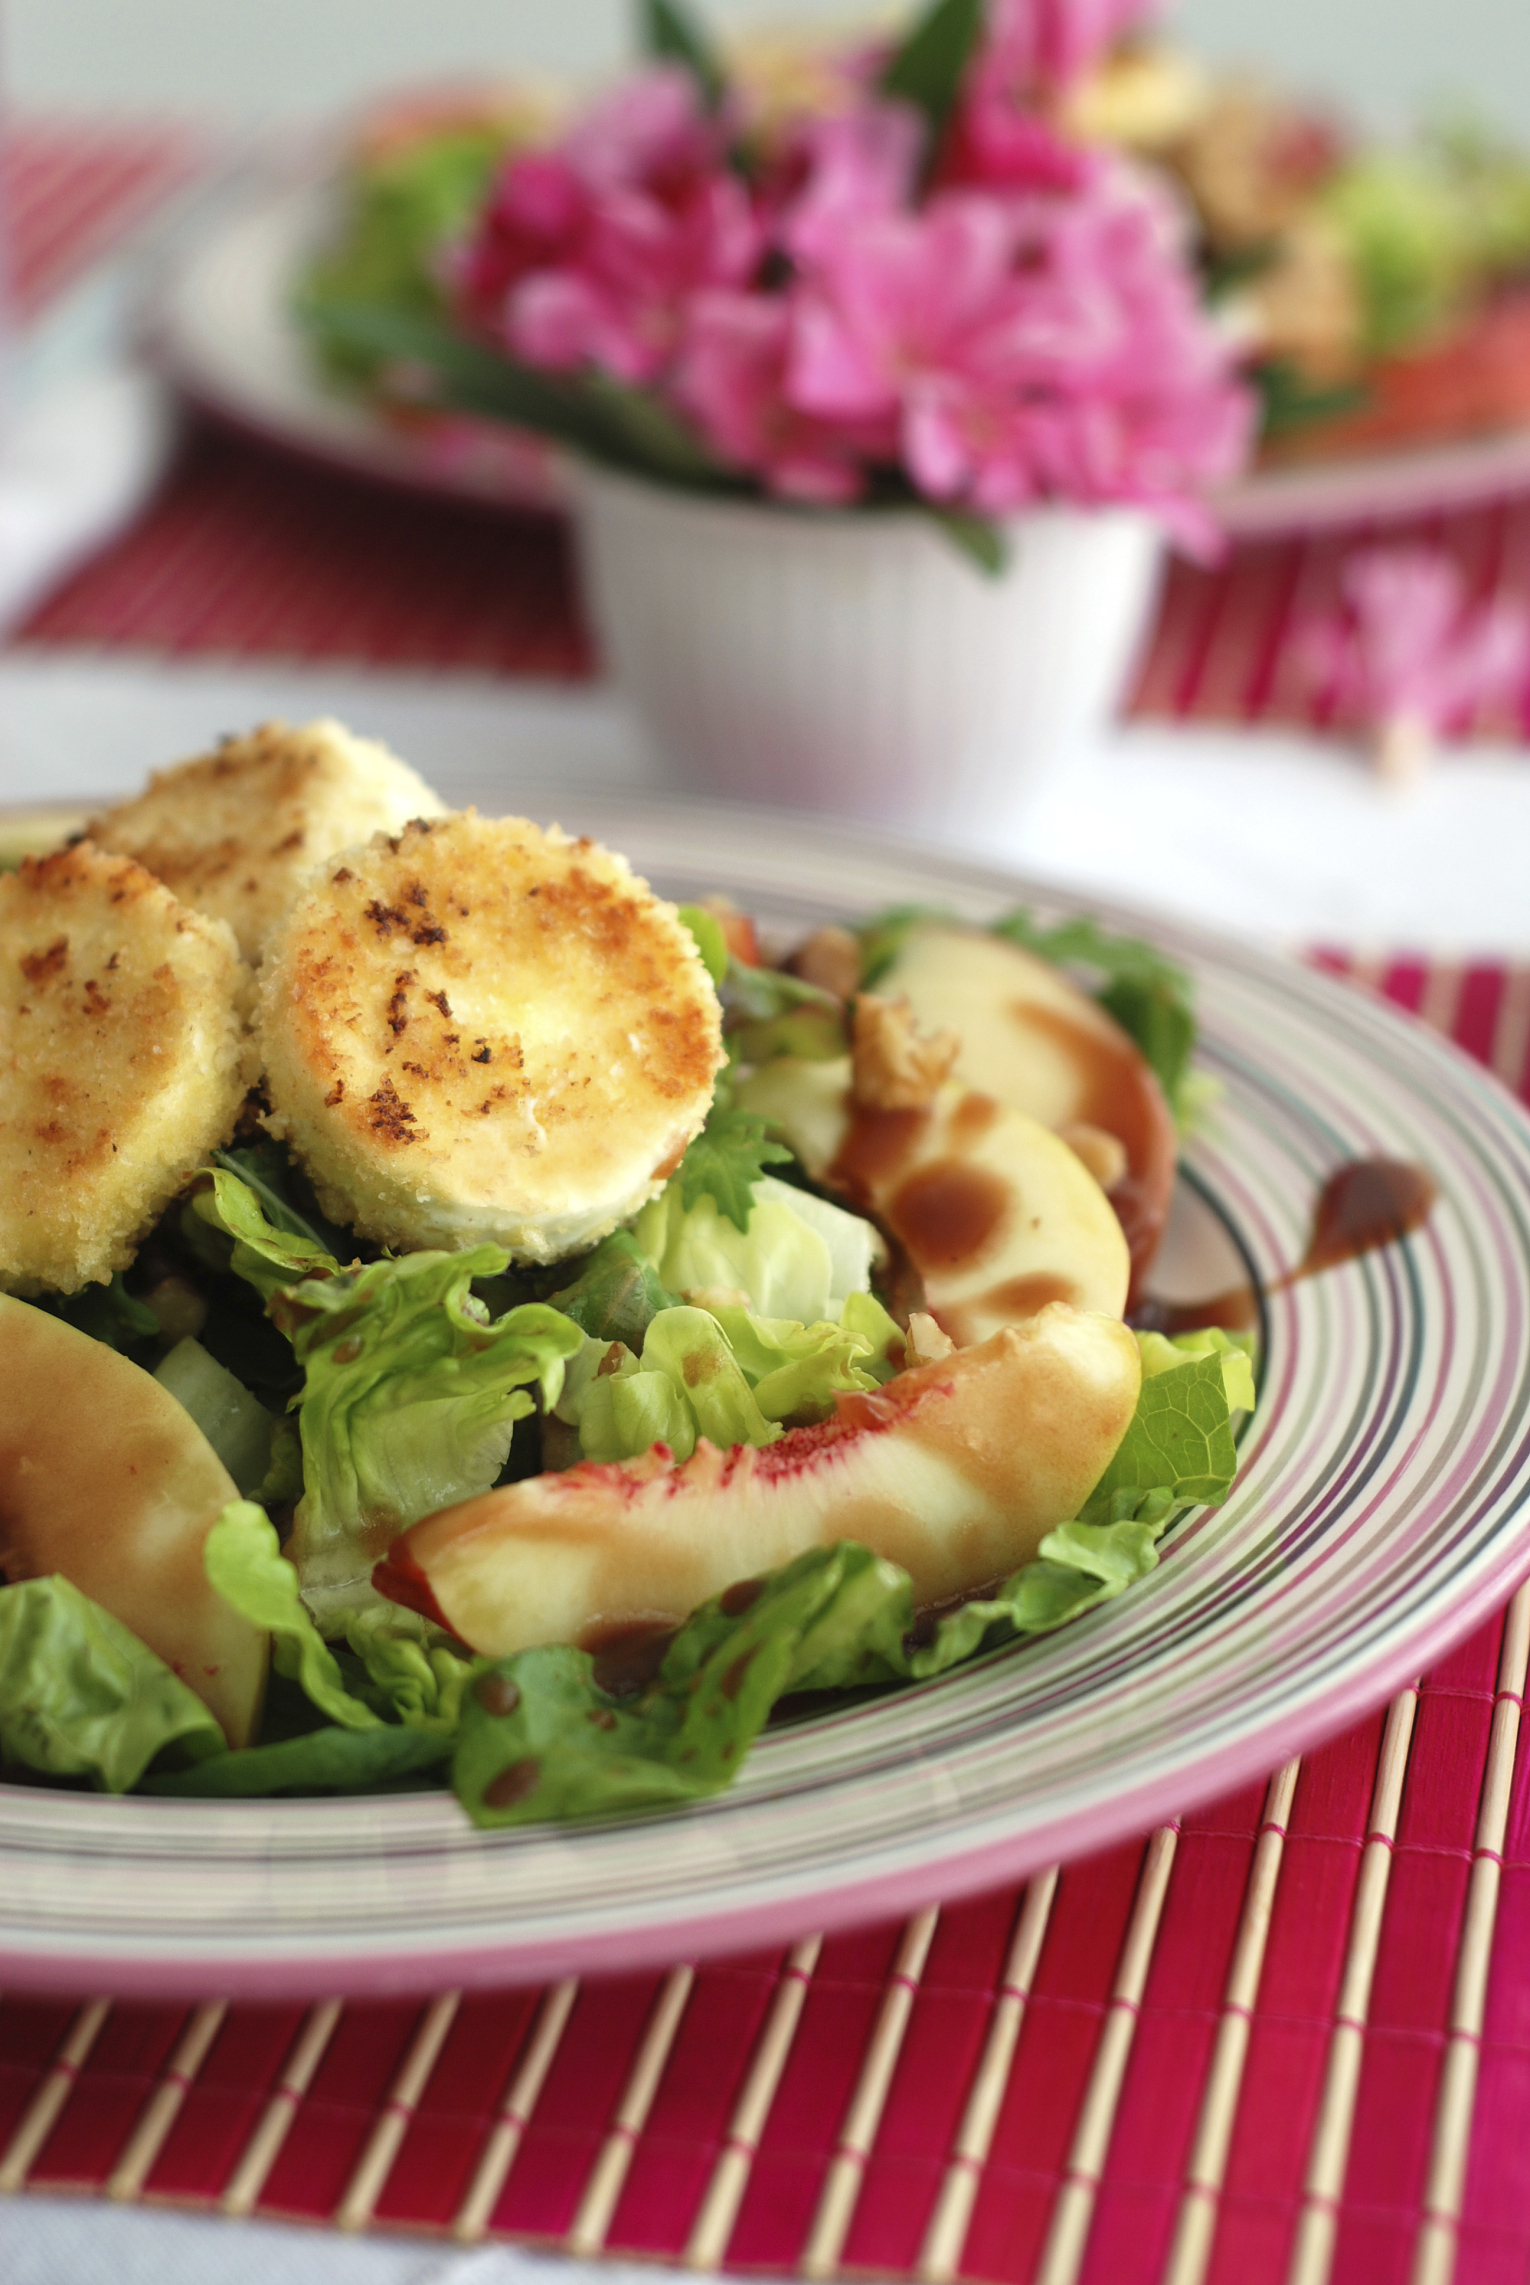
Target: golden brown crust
124, 1060
477, 1029
235, 831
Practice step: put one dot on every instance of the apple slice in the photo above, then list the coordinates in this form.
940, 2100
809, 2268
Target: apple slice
955, 1470
107, 1480
996, 1213
1031, 1037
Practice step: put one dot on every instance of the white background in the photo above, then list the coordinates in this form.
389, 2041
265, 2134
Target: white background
1382, 59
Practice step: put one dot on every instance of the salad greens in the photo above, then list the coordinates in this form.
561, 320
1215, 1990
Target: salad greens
540, 1734
354, 1396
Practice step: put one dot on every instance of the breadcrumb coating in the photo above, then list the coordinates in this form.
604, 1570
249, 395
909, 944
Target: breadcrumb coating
235, 832
479, 1030
124, 1059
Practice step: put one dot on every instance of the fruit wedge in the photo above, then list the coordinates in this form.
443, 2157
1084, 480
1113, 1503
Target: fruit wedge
107, 1480
997, 1215
1032, 1038
955, 1470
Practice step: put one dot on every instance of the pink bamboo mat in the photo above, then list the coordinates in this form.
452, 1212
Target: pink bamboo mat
1288, 2039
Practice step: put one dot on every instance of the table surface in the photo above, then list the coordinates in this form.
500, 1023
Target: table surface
1288, 2037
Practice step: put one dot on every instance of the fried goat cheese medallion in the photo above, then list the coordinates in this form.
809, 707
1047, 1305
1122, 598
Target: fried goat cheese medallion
124, 1059
236, 831
479, 1030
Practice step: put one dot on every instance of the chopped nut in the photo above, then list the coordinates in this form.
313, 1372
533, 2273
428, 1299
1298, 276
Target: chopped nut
831, 959
895, 1066
1104, 1154
926, 1342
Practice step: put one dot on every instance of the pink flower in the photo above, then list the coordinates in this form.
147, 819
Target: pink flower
731, 381
855, 166
588, 253
1004, 131
1406, 649
1029, 348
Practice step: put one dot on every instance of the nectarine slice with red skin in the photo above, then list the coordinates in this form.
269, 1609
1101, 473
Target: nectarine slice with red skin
108, 1481
1033, 1039
955, 1470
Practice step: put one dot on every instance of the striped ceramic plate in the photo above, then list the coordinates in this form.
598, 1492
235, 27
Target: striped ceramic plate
1379, 1513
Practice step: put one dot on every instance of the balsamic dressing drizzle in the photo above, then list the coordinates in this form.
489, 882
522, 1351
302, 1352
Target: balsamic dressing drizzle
1365, 1204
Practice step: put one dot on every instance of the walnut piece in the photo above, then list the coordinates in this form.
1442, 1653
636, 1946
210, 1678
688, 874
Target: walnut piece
1103, 1153
925, 1343
895, 1066
831, 959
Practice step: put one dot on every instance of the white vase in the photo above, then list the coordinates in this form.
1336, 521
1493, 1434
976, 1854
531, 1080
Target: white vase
858, 662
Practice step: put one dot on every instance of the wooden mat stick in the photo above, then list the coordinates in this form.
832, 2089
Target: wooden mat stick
847, 2169
1440, 1000
260, 2152
1317, 2222
1074, 2210
1207, 2170
375, 2164
1435, 2254
520, 2100
37, 2120
1511, 1028
604, 2187
724, 2194
944, 2239
160, 2112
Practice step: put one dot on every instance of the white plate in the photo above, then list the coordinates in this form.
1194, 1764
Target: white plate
1378, 1515
223, 332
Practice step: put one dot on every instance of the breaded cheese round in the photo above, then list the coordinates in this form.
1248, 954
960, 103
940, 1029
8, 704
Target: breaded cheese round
234, 832
479, 1030
124, 1059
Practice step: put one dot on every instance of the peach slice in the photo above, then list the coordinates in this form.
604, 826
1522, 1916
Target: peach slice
995, 1212
1033, 1039
106, 1479
955, 1470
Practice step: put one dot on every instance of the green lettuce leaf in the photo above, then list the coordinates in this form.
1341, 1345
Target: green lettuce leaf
794, 1255
321, 1761
235, 1423
81, 1697
410, 1399
244, 1561
726, 1160
271, 1246
108, 1313
617, 1293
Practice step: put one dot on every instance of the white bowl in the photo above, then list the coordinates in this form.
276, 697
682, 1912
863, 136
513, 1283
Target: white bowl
859, 662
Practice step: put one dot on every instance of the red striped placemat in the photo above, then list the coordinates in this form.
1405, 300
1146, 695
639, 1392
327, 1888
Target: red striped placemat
69, 194
1286, 2038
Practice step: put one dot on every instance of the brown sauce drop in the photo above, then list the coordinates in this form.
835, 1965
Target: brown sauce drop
1024, 1296
1366, 1204
951, 1213
971, 1119
626, 1658
876, 1148
1236, 1311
